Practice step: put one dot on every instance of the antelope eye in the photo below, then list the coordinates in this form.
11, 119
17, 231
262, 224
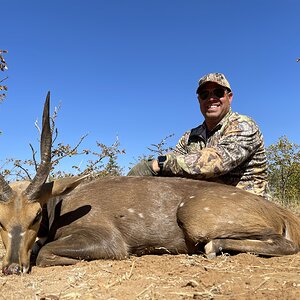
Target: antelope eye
37, 218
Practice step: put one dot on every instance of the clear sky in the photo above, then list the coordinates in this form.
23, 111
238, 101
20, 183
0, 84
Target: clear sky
129, 68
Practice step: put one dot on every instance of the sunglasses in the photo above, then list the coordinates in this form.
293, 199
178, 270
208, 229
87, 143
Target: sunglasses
218, 92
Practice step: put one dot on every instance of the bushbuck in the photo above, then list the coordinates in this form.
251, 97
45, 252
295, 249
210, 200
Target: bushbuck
21, 205
115, 217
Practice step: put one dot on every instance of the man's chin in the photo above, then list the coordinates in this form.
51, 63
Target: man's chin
213, 114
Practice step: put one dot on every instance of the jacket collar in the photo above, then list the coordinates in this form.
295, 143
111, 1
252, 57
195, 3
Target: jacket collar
201, 132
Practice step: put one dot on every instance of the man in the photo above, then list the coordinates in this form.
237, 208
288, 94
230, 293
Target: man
227, 147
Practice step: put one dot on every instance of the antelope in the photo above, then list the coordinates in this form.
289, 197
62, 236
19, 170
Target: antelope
21, 205
78, 218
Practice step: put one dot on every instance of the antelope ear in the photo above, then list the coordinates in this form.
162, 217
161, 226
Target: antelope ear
60, 187
65, 185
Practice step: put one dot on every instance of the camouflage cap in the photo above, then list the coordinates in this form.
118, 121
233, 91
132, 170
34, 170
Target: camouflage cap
218, 78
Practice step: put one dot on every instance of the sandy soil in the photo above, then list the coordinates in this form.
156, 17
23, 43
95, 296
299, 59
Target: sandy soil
243, 276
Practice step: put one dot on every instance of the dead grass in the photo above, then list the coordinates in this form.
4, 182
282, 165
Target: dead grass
182, 277
243, 276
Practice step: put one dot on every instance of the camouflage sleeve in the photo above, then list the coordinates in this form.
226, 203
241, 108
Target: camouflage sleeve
181, 147
238, 142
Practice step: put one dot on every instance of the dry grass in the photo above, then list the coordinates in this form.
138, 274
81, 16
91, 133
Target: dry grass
243, 276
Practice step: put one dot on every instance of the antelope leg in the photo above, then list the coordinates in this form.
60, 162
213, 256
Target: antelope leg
275, 245
83, 244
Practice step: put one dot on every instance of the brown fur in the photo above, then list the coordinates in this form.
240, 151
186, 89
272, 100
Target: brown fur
122, 216
234, 219
20, 220
115, 217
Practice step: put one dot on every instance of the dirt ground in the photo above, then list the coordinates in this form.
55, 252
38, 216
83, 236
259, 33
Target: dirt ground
243, 276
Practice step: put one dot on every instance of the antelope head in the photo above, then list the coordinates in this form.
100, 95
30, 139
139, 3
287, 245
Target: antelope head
21, 207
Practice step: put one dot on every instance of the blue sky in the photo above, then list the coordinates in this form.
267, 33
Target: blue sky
130, 68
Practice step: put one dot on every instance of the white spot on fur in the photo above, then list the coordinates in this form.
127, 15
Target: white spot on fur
232, 194
191, 197
287, 234
206, 208
21, 234
181, 204
131, 210
65, 237
230, 222
141, 215
224, 197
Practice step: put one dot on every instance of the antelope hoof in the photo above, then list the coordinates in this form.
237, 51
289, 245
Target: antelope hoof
210, 251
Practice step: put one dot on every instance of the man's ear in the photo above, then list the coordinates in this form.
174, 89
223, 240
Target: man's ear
230, 96
60, 187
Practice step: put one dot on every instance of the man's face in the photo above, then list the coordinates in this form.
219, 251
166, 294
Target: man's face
214, 103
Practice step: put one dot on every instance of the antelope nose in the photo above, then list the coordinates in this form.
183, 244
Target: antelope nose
13, 269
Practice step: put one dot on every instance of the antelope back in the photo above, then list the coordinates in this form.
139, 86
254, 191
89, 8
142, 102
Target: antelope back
175, 213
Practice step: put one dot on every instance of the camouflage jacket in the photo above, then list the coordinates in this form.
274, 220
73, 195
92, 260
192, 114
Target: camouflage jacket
232, 153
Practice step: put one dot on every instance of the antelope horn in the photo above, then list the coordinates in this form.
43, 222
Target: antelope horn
5, 190
34, 188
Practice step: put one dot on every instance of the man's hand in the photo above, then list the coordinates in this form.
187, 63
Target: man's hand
155, 166
145, 168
